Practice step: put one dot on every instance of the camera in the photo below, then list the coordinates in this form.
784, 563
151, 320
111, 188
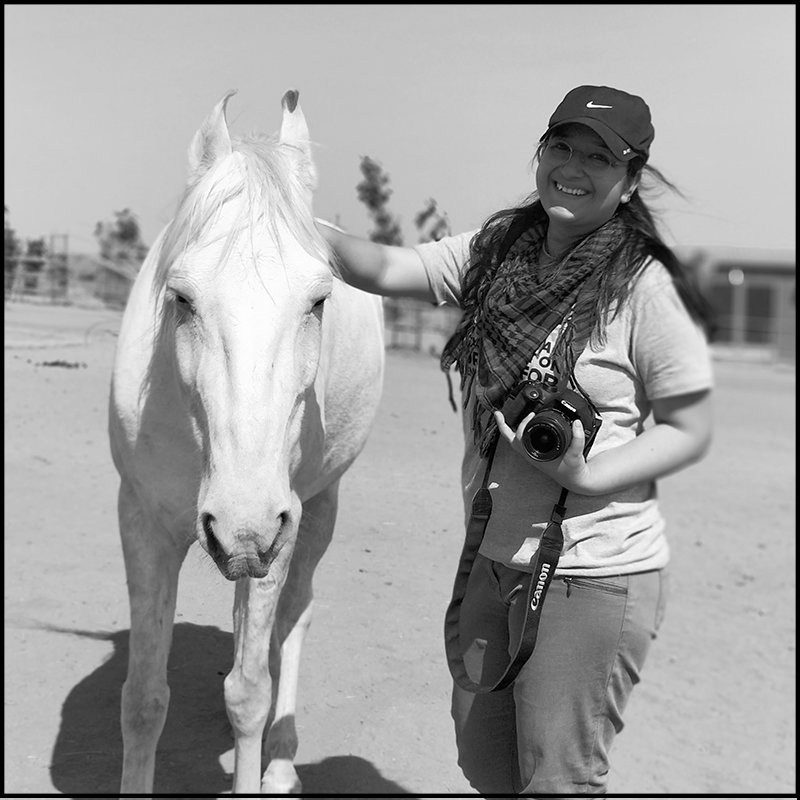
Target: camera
548, 435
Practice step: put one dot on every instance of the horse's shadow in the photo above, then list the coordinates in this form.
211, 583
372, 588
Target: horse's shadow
87, 756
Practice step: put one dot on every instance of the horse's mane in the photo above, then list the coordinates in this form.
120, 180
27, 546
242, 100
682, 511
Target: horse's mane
260, 169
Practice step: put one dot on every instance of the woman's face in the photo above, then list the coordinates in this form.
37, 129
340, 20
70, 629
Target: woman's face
582, 191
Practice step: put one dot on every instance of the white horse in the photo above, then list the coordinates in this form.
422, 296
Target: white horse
246, 378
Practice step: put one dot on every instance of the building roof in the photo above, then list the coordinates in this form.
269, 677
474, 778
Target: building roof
124, 269
752, 256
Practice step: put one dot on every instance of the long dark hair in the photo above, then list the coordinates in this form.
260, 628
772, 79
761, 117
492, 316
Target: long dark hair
491, 243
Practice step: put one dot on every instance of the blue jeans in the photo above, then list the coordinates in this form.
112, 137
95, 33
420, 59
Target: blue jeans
551, 730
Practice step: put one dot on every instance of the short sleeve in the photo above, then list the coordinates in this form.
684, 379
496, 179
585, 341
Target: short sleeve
444, 263
669, 348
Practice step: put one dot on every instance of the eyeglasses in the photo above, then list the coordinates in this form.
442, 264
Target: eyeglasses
560, 152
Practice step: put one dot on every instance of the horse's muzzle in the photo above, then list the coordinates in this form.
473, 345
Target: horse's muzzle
244, 566
244, 558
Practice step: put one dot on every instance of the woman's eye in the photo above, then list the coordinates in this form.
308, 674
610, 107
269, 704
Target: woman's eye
599, 158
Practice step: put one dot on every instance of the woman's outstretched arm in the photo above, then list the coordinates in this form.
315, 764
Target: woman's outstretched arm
388, 270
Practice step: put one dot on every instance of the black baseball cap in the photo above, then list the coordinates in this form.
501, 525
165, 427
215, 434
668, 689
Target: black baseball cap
621, 120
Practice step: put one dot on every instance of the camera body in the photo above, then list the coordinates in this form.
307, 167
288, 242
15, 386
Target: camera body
548, 435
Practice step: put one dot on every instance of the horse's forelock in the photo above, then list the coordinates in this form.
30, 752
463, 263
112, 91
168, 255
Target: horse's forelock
276, 191
261, 169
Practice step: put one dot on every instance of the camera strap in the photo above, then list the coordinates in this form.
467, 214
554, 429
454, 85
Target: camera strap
544, 567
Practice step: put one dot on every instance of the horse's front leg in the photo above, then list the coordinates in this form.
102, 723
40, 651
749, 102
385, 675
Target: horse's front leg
248, 687
291, 624
152, 563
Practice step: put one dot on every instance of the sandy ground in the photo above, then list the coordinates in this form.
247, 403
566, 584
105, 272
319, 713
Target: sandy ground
715, 713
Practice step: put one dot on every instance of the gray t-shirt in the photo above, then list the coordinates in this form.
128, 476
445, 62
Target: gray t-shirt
653, 349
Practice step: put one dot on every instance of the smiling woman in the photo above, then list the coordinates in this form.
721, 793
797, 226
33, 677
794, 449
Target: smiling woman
573, 303
592, 184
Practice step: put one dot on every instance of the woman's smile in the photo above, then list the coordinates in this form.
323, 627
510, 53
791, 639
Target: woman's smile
574, 192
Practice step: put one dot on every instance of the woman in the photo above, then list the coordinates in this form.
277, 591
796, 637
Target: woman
574, 289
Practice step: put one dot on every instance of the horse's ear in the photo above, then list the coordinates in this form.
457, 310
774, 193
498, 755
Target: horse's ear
212, 141
294, 132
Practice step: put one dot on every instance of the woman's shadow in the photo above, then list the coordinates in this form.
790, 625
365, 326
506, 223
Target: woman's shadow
87, 757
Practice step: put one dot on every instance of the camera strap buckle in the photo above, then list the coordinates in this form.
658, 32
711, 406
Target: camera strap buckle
559, 509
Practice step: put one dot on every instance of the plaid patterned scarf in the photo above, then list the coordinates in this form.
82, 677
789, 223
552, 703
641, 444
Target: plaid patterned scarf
513, 310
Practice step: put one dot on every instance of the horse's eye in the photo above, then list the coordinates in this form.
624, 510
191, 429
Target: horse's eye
183, 302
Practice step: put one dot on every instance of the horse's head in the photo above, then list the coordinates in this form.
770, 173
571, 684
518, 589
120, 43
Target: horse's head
244, 279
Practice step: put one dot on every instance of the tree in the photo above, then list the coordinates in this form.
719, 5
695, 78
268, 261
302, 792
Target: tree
374, 193
11, 243
36, 248
431, 223
13, 246
121, 240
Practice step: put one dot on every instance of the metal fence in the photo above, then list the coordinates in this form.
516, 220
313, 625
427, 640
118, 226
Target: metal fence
417, 325
36, 276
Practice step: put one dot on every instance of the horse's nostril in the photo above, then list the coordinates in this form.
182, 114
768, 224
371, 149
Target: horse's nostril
212, 544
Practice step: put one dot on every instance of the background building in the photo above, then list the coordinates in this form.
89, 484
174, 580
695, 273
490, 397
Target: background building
753, 292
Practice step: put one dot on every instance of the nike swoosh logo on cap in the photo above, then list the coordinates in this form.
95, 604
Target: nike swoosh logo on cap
592, 104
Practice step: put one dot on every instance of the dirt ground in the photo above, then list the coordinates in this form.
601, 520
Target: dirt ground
714, 714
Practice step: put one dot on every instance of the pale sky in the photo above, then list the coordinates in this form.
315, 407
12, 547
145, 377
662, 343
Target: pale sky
102, 101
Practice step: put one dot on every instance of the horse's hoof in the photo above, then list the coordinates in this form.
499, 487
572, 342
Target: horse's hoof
281, 778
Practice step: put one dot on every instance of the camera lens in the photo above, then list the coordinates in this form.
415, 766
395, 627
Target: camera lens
547, 436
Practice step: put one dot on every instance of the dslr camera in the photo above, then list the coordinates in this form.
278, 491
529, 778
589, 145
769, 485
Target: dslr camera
548, 435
